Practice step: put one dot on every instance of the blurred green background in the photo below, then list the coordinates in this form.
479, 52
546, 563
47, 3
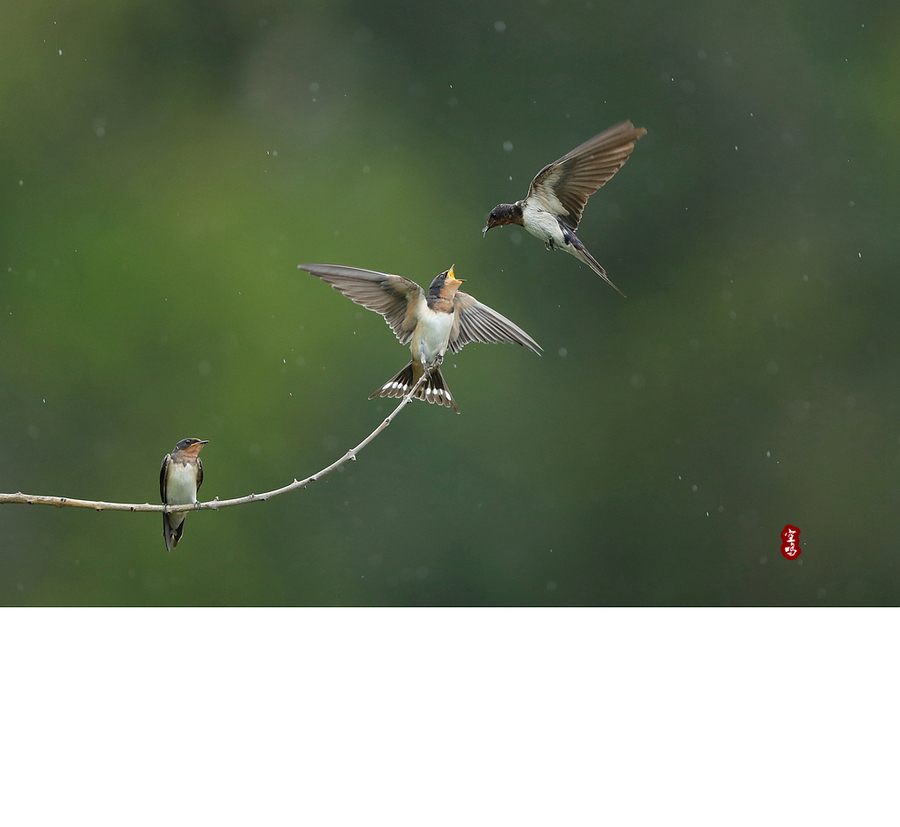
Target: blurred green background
166, 165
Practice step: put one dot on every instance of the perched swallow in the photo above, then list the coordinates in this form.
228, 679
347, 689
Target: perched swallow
180, 479
429, 323
557, 195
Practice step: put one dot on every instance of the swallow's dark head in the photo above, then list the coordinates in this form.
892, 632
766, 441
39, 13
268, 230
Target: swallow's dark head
191, 446
504, 214
445, 285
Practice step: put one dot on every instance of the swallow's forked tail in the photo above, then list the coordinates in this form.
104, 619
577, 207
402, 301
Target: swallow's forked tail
172, 529
577, 249
433, 389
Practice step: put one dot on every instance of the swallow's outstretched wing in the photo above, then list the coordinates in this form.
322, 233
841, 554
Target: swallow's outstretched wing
564, 186
394, 297
476, 322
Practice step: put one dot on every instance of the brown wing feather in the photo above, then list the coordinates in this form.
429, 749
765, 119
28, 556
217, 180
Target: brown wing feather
394, 297
162, 477
566, 184
476, 322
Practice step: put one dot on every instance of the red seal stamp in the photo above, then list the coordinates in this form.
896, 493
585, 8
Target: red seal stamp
790, 544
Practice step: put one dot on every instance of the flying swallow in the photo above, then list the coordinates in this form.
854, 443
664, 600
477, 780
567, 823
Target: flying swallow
430, 324
180, 479
557, 195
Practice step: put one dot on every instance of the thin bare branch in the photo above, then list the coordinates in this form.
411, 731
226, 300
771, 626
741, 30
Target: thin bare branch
60, 502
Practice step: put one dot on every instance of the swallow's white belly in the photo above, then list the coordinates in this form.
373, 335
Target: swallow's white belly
181, 487
431, 336
543, 225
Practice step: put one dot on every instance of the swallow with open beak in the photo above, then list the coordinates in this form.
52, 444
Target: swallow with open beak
180, 479
430, 323
557, 195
